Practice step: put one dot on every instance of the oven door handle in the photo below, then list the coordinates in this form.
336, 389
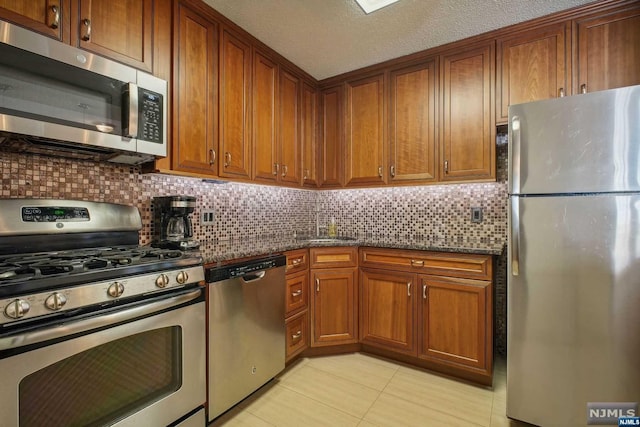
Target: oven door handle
95, 322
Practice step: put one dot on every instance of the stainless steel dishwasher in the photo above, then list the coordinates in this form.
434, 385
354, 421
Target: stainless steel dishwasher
246, 329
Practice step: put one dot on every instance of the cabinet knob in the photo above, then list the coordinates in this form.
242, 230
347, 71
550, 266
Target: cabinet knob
55, 13
86, 32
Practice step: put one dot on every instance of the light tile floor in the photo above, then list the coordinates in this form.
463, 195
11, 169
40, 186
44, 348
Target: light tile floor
363, 390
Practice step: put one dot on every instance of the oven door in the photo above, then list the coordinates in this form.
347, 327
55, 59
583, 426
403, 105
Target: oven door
141, 365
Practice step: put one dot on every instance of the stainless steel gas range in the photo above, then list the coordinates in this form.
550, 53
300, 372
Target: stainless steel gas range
95, 329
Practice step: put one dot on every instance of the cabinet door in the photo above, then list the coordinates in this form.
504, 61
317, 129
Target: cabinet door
455, 321
48, 17
121, 30
331, 148
235, 85
468, 132
194, 89
608, 53
309, 135
532, 66
413, 123
387, 309
334, 307
265, 78
365, 131
288, 128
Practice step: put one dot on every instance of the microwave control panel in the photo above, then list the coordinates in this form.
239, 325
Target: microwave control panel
150, 116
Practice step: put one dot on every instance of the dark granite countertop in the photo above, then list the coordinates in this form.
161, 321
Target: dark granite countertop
217, 251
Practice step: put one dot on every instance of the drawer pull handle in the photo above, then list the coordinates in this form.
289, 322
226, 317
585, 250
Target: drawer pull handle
285, 169
297, 335
296, 261
227, 159
212, 157
409, 289
583, 88
417, 263
561, 92
317, 285
276, 168
424, 291
296, 293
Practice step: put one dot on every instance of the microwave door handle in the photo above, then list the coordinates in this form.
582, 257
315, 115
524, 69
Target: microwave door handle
131, 130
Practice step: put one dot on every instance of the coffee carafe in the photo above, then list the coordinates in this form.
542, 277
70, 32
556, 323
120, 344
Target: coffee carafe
172, 222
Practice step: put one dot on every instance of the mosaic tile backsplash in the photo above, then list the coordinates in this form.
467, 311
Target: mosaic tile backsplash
250, 210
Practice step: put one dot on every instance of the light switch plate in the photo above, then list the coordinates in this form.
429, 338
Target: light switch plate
476, 215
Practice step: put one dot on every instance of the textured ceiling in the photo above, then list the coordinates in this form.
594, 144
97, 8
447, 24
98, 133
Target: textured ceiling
330, 37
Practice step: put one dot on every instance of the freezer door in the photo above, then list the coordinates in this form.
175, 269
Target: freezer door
576, 144
573, 307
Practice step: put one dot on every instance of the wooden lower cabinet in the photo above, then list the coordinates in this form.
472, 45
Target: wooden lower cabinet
440, 322
297, 330
388, 309
455, 321
296, 303
334, 300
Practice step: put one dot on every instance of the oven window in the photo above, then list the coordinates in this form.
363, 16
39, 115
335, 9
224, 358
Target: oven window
105, 383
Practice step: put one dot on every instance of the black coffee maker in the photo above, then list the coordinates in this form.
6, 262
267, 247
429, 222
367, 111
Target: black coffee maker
172, 224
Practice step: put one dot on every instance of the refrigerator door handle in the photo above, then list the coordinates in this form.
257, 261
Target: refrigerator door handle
515, 164
515, 236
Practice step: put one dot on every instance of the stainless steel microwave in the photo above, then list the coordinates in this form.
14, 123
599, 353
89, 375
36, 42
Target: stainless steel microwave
59, 100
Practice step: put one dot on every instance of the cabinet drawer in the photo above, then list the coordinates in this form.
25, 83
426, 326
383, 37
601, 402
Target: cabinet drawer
435, 263
297, 260
297, 339
334, 257
297, 293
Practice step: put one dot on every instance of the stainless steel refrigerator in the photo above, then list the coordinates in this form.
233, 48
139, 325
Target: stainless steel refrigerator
573, 311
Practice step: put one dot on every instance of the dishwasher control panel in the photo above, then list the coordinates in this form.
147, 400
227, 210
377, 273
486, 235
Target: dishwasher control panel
216, 274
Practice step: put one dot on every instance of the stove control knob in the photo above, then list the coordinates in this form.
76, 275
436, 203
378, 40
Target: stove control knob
115, 289
182, 277
17, 309
162, 281
55, 301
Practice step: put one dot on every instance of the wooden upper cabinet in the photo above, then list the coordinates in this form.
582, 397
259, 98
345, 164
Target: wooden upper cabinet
235, 101
412, 122
608, 51
532, 65
289, 128
121, 30
332, 137
194, 147
265, 89
309, 134
365, 134
48, 17
468, 129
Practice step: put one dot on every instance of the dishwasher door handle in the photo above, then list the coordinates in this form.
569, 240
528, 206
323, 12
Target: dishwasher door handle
248, 278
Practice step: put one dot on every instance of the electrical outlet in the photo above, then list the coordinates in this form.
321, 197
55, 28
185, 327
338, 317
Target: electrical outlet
208, 216
476, 214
